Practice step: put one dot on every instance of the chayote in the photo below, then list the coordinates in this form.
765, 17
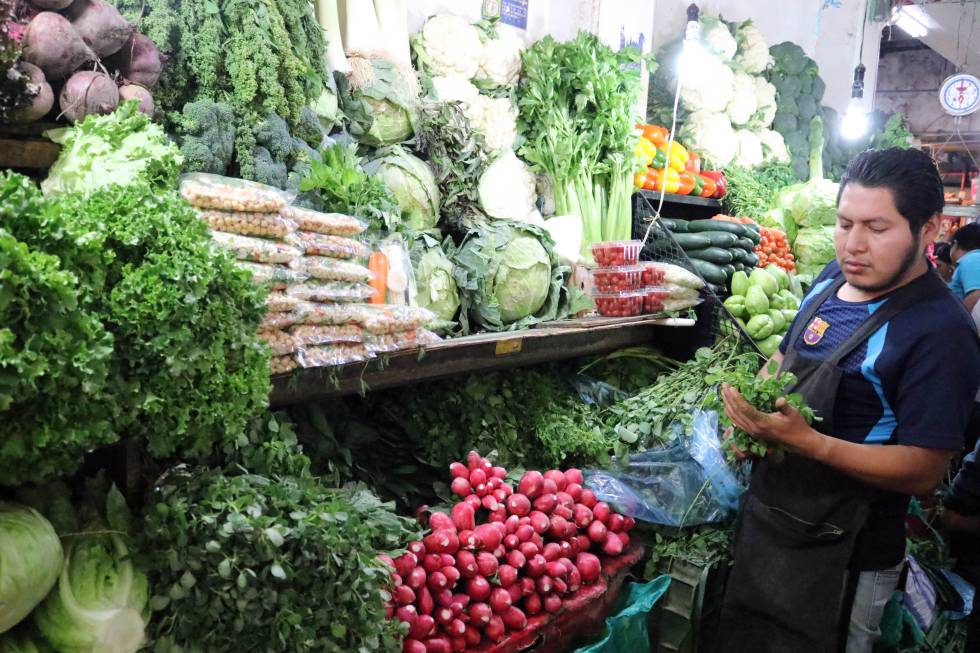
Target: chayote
764, 280
740, 283
760, 327
756, 301
736, 305
770, 345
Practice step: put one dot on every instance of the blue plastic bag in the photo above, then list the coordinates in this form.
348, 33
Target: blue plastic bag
686, 484
626, 630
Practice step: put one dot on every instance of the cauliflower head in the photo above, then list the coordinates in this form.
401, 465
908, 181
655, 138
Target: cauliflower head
497, 123
749, 149
743, 104
718, 38
712, 135
774, 148
765, 97
452, 89
711, 90
501, 61
753, 53
448, 45
508, 190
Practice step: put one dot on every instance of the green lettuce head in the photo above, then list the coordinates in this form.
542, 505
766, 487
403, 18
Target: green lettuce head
815, 203
814, 247
30, 561
434, 277
413, 185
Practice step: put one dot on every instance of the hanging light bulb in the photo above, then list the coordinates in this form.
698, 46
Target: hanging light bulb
854, 124
693, 55
904, 19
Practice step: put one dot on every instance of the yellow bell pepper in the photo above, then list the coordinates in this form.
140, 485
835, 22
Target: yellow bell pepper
639, 178
654, 180
676, 157
645, 151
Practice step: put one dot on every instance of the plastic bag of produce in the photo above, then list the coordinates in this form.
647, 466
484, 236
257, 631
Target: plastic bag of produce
278, 321
280, 342
668, 274
325, 268
264, 225
258, 250
336, 354
316, 244
331, 291
277, 277
332, 224
380, 344
208, 191
282, 364
685, 484
331, 314
628, 624
326, 334
280, 302
383, 320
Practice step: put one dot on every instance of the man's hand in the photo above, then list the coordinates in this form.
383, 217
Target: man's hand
786, 427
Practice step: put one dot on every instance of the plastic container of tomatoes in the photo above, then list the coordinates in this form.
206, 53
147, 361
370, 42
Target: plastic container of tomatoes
617, 279
654, 274
616, 253
654, 299
619, 304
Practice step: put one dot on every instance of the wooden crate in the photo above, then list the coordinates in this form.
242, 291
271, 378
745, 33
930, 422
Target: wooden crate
25, 147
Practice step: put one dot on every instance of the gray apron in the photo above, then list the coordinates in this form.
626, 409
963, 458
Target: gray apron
799, 520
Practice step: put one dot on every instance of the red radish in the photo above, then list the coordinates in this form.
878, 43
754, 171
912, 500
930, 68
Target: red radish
473, 459
478, 588
444, 615
405, 563
426, 604
613, 546
624, 538
452, 575
558, 525
459, 470
499, 552
416, 579
514, 619
508, 490
566, 548
524, 521
499, 515
486, 466
588, 566
573, 547
582, 516
413, 646
518, 504
438, 644
416, 547
387, 559
486, 563
570, 530
432, 562
552, 551
478, 477
443, 598
142, 96
569, 565
494, 483
538, 540
529, 549
460, 601
552, 603
100, 25
463, 516
535, 567
472, 635
583, 543
516, 593
546, 503
457, 628
561, 587
499, 600
565, 499
540, 522
511, 542
404, 595
467, 540
531, 482
480, 614
574, 490
556, 569
545, 584
562, 511
499, 472
500, 495
548, 486
516, 559
443, 540
408, 614
466, 563
588, 498
88, 93
487, 537
533, 604
628, 524
459, 643
574, 580
524, 532
437, 581
480, 490
573, 475
495, 630
615, 522
448, 559
597, 531
502, 527
461, 487
489, 502
475, 501
601, 511
507, 574
424, 626
527, 586
557, 477
52, 44
513, 523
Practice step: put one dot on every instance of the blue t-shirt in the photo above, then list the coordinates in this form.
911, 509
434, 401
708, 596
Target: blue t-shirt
966, 278
912, 383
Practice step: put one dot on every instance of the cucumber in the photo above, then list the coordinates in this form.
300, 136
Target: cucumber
751, 259
711, 272
753, 235
729, 272
691, 242
739, 266
745, 243
721, 239
716, 225
713, 255
676, 226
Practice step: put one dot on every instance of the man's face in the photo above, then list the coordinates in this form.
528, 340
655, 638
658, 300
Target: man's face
874, 243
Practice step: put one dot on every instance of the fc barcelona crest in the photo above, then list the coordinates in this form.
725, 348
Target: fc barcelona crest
814, 331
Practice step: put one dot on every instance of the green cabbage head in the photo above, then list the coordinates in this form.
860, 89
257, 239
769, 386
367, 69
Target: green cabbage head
413, 185
30, 561
523, 278
434, 278
381, 100
814, 246
815, 203
23, 640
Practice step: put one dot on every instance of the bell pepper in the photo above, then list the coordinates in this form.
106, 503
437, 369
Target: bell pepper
644, 151
639, 178
659, 159
676, 157
654, 133
721, 184
708, 187
654, 176
693, 163
698, 185
686, 183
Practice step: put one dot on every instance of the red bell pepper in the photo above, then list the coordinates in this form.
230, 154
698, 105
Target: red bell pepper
693, 164
721, 184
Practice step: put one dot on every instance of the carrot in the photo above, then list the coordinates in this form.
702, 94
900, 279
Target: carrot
378, 265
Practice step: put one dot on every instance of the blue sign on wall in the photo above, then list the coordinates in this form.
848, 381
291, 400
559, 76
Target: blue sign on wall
510, 12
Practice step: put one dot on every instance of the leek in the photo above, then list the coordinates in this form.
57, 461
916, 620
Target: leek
328, 16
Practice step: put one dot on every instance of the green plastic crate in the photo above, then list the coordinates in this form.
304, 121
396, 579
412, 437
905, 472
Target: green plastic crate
684, 621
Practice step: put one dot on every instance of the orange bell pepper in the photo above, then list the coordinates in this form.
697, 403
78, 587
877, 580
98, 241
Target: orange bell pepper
655, 134
687, 183
693, 164
708, 186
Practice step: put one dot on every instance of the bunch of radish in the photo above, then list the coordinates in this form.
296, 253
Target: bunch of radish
500, 556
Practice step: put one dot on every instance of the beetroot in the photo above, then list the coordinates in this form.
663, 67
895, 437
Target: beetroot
52, 44
43, 99
100, 25
141, 95
87, 93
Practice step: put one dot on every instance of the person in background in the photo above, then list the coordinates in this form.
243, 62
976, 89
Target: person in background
966, 255
944, 262
961, 514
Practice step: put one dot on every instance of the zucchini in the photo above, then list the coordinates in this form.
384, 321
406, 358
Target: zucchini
751, 260
753, 235
716, 225
691, 242
729, 272
676, 226
721, 239
711, 272
713, 255
745, 243
739, 266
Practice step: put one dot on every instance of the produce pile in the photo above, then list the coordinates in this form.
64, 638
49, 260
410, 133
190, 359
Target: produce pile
807, 214
765, 305
84, 51
799, 91
678, 171
774, 248
727, 105
624, 287
510, 554
718, 248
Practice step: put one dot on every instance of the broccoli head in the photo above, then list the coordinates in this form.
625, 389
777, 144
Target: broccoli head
273, 134
309, 128
206, 134
267, 169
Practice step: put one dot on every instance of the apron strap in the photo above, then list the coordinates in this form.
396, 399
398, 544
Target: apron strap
812, 306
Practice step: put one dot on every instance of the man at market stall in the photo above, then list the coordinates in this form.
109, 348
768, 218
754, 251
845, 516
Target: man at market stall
965, 253
890, 362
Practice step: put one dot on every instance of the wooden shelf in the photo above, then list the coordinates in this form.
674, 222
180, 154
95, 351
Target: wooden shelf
25, 147
483, 352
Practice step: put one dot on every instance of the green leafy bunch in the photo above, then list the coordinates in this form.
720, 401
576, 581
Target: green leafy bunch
266, 563
752, 191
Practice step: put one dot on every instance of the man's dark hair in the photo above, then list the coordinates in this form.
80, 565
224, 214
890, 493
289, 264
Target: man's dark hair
967, 237
941, 252
911, 175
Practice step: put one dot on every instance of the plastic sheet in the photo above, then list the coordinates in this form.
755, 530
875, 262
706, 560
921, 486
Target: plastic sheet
325, 268
263, 225
334, 224
258, 250
280, 342
323, 334
330, 355
626, 630
685, 484
331, 291
208, 191
316, 244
